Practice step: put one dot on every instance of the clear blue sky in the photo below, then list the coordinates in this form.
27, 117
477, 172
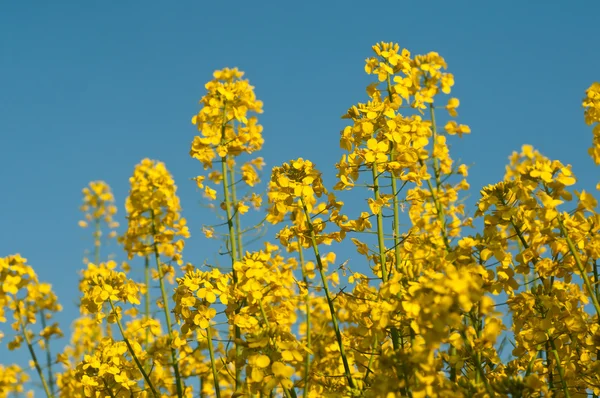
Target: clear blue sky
88, 89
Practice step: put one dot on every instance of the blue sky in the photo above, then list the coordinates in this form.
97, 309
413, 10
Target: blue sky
88, 89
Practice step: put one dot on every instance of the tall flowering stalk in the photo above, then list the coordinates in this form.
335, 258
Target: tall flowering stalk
294, 188
99, 213
155, 227
99, 209
23, 296
394, 147
426, 321
226, 132
98, 372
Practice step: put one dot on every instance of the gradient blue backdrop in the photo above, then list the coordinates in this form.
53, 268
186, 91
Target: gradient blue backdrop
88, 89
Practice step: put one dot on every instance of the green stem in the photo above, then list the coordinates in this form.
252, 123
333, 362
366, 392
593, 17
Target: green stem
36, 363
234, 257
166, 308
585, 278
237, 226
381, 244
436, 161
108, 389
397, 339
561, 371
286, 392
395, 203
48, 354
371, 359
580, 267
597, 290
435, 191
97, 241
549, 366
228, 210
396, 209
380, 234
596, 280
264, 315
213, 364
308, 330
268, 325
131, 351
478, 365
334, 320
476, 323
147, 295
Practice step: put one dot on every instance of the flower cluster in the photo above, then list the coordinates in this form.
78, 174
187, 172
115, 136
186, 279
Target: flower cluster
428, 309
591, 103
12, 380
28, 300
153, 214
228, 98
108, 368
102, 284
99, 206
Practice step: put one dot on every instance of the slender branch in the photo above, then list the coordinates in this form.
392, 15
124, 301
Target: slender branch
131, 351
334, 320
36, 363
48, 354
165, 300
213, 364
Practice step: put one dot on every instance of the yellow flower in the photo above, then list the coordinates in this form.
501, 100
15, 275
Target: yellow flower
153, 213
453, 103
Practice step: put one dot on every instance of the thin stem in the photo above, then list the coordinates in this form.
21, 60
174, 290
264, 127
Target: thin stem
264, 315
166, 307
380, 237
237, 226
435, 192
580, 267
131, 351
48, 354
396, 209
97, 244
334, 320
213, 364
97, 241
33, 356
381, 244
268, 325
476, 323
147, 295
395, 203
286, 392
561, 371
308, 329
596, 280
478, 365
234, 253
108, 389
371, 359
234, 257
436, 161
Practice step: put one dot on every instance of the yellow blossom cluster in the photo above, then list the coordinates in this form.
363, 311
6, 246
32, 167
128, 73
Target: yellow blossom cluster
153, 213
229, 98
12, 380
433, 306
28, 301
99, 206
110, 287
591, 104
